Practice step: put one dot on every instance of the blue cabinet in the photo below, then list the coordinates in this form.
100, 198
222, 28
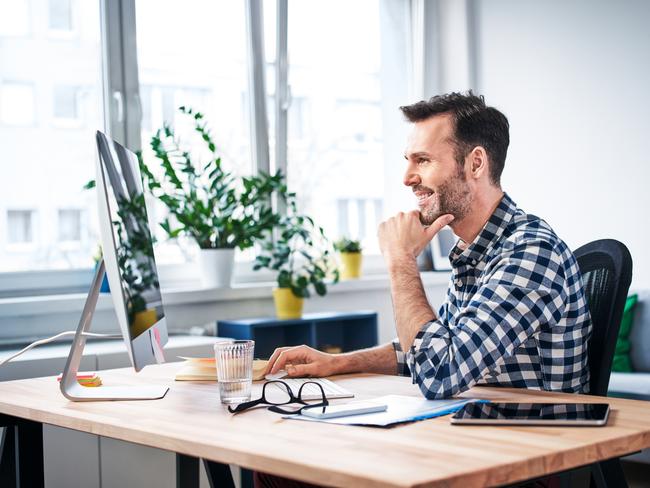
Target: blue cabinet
331, 332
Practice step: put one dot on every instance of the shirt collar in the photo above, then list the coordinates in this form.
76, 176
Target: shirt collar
488, 237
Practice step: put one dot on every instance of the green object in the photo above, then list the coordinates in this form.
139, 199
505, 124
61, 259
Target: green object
347, 245
300, 253
208, 203
622, 361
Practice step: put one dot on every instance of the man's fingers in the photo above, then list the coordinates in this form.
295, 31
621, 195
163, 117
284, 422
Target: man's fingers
281, 360
273, 359
291, 355
297, 370
438, 224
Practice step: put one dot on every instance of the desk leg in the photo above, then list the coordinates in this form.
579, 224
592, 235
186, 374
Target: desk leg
21, 453
187, 471
7, 457
608, 474
219, 474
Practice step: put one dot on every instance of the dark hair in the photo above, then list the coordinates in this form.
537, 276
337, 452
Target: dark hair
475, 124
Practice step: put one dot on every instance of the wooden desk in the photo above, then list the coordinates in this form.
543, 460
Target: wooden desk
191, 421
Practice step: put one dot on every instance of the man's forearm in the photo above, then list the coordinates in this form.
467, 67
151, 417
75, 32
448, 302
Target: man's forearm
410, 304
380, 360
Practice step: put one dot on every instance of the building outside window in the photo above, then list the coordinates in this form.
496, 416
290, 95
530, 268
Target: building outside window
44, 169
69, 225
20, 226
60, 15
66, 103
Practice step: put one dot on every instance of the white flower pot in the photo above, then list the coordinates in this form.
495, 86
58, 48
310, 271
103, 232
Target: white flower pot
216, 267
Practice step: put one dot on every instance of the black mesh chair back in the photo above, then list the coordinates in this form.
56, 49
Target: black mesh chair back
606, 268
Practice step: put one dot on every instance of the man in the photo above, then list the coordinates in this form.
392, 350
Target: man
515, 313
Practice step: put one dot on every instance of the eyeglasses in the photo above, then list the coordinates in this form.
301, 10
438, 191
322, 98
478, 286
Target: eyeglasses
282, 396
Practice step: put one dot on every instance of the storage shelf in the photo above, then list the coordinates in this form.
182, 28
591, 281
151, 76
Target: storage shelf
326, 331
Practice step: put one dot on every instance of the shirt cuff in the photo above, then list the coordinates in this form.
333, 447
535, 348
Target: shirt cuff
402, 367
428, 332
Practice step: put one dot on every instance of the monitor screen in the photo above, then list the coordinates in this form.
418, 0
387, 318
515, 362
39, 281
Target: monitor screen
132, 244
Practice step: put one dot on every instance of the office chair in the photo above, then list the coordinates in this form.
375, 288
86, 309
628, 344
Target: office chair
606, 268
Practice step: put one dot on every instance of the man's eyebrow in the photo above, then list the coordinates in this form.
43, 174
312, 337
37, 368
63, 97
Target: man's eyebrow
417, 155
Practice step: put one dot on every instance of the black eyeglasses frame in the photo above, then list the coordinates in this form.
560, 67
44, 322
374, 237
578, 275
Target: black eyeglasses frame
275, 407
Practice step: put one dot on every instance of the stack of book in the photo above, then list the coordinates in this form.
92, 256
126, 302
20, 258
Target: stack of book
205, 369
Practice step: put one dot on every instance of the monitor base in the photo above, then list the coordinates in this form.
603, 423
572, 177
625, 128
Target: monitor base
78, 393
70, 387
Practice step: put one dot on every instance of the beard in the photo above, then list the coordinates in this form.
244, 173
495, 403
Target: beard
452, 197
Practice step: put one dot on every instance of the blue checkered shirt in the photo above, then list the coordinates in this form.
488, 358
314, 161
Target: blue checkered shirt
515, 314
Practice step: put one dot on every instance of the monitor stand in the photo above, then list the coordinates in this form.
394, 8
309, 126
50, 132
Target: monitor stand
71, 388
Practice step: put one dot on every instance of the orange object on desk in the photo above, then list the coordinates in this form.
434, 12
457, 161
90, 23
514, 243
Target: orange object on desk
86, 379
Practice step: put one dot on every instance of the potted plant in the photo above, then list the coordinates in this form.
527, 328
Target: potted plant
97, 257
300, 253
208, 203
351, 257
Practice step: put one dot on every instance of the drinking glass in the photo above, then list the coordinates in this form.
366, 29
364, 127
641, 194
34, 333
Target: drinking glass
234, 370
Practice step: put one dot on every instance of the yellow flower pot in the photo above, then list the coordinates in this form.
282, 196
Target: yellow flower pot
143, 320
351, 265
287, 305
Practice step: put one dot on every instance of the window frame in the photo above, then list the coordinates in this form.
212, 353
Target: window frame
123, 118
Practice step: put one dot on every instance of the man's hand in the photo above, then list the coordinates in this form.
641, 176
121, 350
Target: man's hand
404, 237
302, 361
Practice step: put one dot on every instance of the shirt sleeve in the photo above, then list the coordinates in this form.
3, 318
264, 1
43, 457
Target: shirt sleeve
523, 290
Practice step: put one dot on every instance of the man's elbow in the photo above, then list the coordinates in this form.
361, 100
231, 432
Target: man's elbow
439, 389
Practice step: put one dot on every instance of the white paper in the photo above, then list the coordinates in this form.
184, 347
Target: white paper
400, 409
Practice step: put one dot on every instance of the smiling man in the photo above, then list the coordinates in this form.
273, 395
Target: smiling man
515, 313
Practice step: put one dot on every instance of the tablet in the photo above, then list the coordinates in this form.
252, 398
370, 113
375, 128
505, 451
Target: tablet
549, 414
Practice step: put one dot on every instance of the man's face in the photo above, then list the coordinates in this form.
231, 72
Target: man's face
434, 175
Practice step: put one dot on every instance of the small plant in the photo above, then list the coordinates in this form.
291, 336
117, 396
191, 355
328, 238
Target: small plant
207, 202
300, 253
347, 245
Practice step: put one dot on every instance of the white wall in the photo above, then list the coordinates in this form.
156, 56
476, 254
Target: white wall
573, 79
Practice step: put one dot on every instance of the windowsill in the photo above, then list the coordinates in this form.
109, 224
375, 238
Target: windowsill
49, 304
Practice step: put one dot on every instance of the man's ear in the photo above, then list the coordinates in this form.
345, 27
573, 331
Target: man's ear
478, 162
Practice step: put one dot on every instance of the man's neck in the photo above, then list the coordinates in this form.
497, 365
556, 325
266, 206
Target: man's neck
483, 206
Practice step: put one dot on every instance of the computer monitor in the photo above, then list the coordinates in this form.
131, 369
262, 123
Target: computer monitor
128, 260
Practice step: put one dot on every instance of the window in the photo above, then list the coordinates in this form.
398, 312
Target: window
69, 225
60, 15
42, 169
17, 103
66, 102
335, 134
20, 226
203, 66
340, 133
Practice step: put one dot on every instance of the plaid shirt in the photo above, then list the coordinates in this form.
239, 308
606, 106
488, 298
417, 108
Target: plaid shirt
515, 314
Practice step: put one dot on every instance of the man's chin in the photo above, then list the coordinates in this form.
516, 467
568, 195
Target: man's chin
428, 218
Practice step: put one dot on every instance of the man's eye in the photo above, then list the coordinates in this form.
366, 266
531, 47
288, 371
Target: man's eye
422, 161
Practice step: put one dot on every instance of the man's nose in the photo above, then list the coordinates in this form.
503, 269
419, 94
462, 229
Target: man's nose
411, 178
